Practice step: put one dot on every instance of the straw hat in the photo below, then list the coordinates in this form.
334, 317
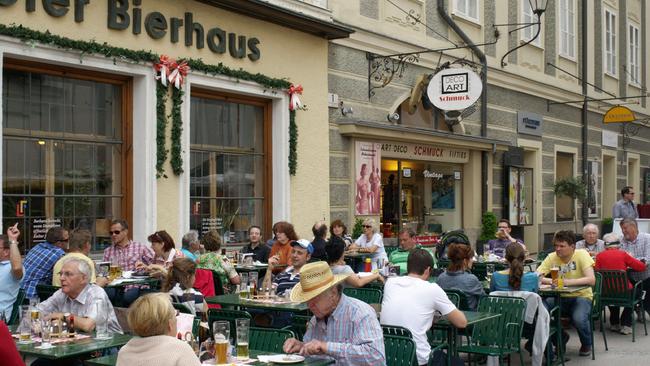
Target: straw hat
315, 278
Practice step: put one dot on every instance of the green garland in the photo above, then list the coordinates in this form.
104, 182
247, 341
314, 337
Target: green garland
177, 130
161, 126
31, 36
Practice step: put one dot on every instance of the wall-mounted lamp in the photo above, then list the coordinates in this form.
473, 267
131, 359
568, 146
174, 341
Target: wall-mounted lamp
345, 110
538, 7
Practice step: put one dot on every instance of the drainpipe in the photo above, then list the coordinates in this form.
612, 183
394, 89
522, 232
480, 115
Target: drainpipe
481, 56
584, 117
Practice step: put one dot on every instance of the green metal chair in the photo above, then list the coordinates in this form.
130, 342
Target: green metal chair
367, 295
400, 351
45, 291
181, 308
15, 310
597, 313
229, 316
396, 330
268, 339
616, 292
438, 338
299, 325
500, 336
555, 331
461, 303
218, 286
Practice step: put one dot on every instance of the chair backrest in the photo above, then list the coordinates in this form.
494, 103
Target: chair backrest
268, 339
15, 310
367, 295
218, 286
299, 325
227, 315
462, 298
597, 290
182, 308
45, 291
615, 286
400, 351
504, 331
396, 330
455, 298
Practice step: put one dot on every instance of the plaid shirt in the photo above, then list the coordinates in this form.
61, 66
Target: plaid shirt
128, 255
352, 333
639, 249
38, 266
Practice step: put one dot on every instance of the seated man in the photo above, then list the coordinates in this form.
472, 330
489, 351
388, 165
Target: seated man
615, 259
421, 298
342, 328
256, 247
78, 296
577, 268
79, 247
40, 260
498, 245
407, 244
301, 251
11, 270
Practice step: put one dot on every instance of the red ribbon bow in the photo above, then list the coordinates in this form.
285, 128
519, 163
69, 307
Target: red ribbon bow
168, 70
294, 100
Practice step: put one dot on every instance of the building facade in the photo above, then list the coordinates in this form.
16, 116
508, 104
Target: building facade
81, 116
395, 158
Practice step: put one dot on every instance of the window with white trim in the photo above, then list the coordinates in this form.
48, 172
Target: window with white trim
567, 28
610, 42
527, 16
634, 37
467, 9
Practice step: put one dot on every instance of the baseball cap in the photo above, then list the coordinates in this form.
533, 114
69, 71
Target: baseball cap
305, 244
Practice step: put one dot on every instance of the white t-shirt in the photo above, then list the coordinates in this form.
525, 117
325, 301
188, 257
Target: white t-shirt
410, 302
380, 253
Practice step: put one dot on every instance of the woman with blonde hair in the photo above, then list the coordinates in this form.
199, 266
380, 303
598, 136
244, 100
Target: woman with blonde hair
371, 242
179, 284
153, 319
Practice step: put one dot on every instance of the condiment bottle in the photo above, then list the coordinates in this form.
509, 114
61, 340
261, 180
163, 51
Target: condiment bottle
368, 265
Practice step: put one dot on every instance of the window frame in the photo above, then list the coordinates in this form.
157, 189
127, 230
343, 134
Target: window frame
612, 16
634, 63
567, 14
267, 173
465, 14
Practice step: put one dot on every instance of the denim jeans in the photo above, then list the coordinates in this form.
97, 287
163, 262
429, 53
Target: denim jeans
579, 309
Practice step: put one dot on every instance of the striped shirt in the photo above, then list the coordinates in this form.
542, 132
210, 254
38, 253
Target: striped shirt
352, 333
286, 280
639, 249
38, 266
127, 256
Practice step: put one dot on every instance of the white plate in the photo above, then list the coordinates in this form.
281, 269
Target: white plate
281, 359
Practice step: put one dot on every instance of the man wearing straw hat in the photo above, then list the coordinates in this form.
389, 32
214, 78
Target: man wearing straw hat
342, 328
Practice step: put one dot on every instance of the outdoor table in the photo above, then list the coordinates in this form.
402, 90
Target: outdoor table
473, 317
354, 259
235, 300
73, 349
309, 361
252, 268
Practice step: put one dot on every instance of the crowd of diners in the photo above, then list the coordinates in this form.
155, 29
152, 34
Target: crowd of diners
310, 271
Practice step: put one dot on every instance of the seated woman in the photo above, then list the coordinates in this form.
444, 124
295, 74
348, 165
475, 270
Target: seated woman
456, 276
179, 284
153, 319
164, 254
214, 261
336, 261
338, 229
371, 242
514, 278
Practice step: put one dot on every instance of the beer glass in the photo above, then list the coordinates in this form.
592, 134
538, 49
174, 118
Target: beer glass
253, 284
243, 326
25, 325
221, 331
555, 271
489, 269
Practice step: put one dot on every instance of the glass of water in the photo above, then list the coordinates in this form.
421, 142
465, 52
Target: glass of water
46, 335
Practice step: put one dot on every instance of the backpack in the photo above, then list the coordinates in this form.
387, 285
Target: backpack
448, 238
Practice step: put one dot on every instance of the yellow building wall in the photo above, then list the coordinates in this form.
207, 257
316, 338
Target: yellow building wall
285, 53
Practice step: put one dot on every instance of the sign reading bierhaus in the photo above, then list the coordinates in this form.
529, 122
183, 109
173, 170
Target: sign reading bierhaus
128, 14
404, 150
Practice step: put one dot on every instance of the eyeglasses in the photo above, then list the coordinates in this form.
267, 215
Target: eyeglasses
367, 226
67, 274
116, 232
64, 240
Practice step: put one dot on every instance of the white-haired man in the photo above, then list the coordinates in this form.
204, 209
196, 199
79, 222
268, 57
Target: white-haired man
638, 245
590, 241
78, 296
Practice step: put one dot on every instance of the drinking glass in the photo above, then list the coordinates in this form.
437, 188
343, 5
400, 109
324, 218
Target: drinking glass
101, 320
486, 251
243, 326
25, 325
221, 331
253, 283
243, 278
248, 261
489, 269
46, 335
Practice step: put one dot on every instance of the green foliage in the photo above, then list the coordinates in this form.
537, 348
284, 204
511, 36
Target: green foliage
177, 130
357, 230
293, 143
161, 126
488, 226
608, 221
572, 187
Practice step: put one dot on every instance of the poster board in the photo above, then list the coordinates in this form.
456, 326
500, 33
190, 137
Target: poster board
367, 178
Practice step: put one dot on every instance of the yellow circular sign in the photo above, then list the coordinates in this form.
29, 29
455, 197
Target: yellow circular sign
619, 114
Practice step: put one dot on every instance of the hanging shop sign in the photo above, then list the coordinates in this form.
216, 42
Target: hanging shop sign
409, 151
529, 123
619, 114
124, 14
454, 89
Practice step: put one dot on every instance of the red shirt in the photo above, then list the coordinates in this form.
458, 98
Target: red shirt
8, 351
615, 259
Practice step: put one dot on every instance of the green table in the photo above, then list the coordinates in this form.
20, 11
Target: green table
79, 348
254, 268
472, 317
355, 259
234, 300
309, 361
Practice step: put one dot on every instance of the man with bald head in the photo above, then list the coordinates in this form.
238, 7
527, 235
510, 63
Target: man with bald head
590, 241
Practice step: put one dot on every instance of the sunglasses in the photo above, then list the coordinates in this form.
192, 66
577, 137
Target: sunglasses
367, 226
116, 232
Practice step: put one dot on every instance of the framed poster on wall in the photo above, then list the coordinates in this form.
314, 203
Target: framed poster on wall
519, 195
367, 193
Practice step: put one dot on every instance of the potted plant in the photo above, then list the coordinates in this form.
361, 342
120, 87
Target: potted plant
357, 230
608, 225
488, 229
573, 188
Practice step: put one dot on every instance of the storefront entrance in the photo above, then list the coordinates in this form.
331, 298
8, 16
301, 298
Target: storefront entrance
419, 195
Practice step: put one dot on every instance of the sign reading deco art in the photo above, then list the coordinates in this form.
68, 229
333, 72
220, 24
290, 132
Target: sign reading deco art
454, 89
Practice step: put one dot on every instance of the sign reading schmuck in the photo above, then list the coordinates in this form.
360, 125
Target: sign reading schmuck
409, 151
454, 89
